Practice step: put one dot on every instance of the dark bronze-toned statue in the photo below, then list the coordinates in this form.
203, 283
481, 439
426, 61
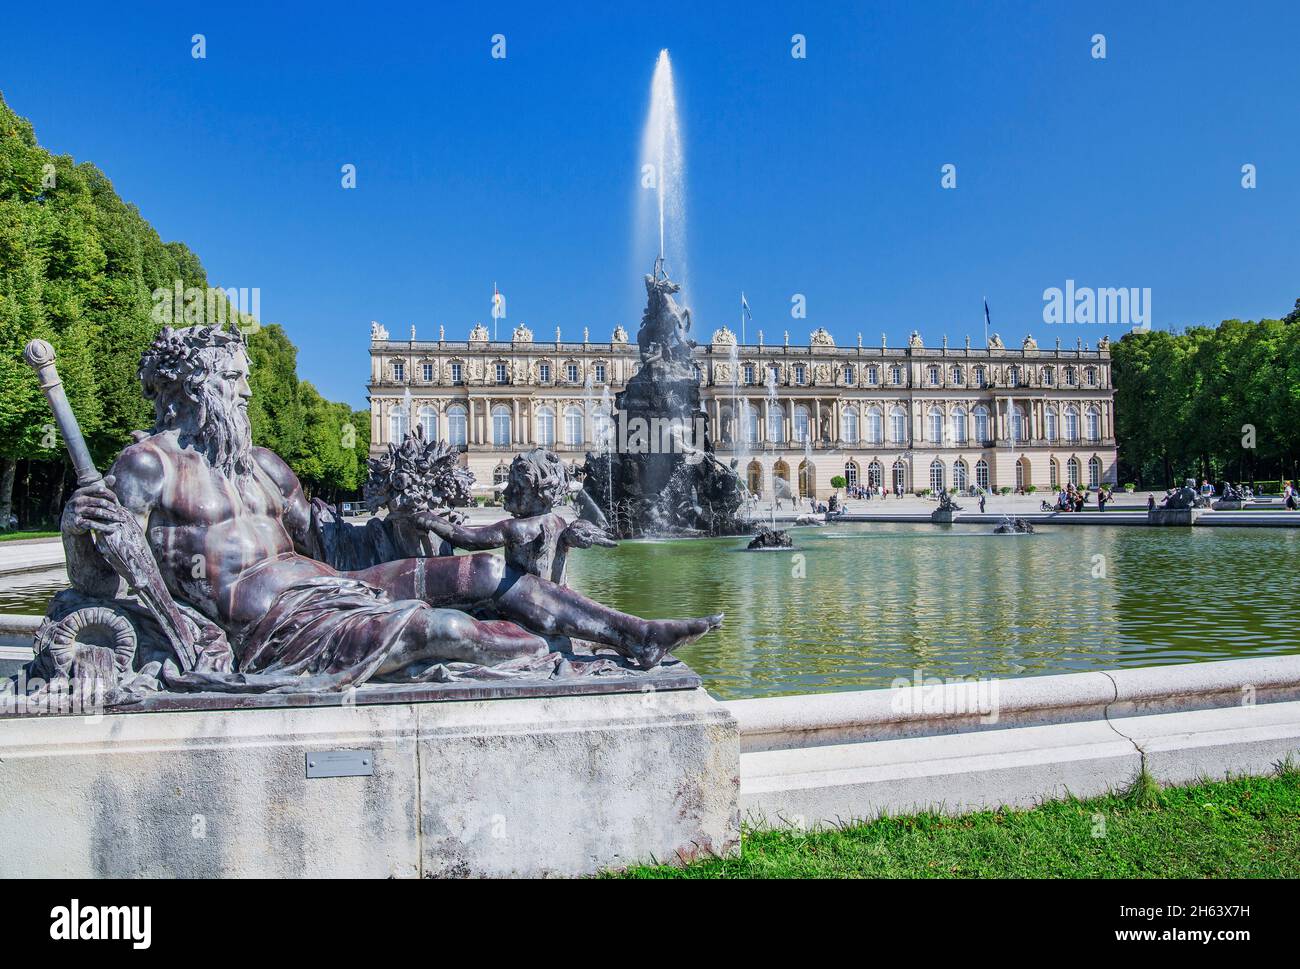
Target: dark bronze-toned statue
231, 588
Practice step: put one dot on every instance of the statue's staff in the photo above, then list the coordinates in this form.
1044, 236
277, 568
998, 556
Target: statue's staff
125, 549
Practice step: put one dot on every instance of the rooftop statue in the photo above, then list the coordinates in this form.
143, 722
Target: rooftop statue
197, 564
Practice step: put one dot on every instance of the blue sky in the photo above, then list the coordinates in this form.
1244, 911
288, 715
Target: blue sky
818, 176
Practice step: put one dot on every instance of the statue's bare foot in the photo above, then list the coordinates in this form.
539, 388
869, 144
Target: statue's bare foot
665, 635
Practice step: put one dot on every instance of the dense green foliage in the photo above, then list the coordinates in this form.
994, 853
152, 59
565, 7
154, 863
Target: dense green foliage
79, 267
1213, 403
1244, 828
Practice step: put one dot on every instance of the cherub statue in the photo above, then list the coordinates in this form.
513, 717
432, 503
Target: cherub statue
536, 539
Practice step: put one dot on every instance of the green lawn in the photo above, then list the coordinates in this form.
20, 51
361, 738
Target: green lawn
11, 536
1246, 828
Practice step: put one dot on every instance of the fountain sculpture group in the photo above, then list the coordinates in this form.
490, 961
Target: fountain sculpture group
198, 565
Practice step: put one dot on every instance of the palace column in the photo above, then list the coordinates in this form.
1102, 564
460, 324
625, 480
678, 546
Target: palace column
762, 429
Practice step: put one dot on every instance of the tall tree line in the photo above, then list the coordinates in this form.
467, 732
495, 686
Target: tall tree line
79, 267
1209, 402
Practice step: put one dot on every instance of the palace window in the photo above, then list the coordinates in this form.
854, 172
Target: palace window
776, 423
1048, 377
848, 374
429, 422
426, 371
457, 425
956, 374
1013, 376
600, 373
457, 374
501, 425
749, 373
1094, 472
851, 473
1054, 473
1090, 376
898, 426
500, 474
1072, 471
875, 426
959, 475
932, 375
397, 424
602, 428
981, 377
936, 425
1050, 428
849, 425
1071, 377
749, 420
873, 376
545, 427
572, 426
571, 373
774, 373
982, 474
544, 372
1071, 425
896, 374
982, 435
800, 423
875, 474
900, 476
1094, 424
959, 425
1017, 425
399, 371
503, 374
936, 476
800, 373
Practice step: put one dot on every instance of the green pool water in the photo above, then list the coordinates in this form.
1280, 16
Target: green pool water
855, 606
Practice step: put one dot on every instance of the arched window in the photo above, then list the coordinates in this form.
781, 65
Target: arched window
936, 476
959, 425
800, 423
755, 475
1054, 473
545, 426
851, 473
807, 480
1050, 424
1022, 474
428, 418
1071, 425
602, 428
936, 425
898, 425
1017, 424
849, 425
572, 426
960, 475
956, 374
1072, 471
900, 476
749, 421
775, 423
1094, 424
501, 426
875, 474
875, 426
1094, 472
500, 474
457, 425
982, 425
982, 474
398, 423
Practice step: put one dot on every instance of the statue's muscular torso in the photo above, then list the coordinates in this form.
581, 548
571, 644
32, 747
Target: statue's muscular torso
214, 536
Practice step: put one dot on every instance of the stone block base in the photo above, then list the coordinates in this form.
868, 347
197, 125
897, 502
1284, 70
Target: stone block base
540, 786
941, 517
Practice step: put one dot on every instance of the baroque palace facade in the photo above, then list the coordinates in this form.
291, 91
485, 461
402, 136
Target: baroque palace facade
911, 417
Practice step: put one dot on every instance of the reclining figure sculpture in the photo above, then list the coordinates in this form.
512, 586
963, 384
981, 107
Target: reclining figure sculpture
201, 548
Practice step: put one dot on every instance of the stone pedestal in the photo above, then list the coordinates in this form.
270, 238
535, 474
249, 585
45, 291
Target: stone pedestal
1174, 516
942, 516
1233, 505
537, 786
